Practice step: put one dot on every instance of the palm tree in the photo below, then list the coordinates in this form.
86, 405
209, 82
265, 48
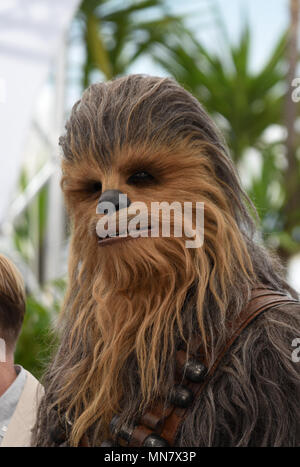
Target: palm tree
244, 102
115, 34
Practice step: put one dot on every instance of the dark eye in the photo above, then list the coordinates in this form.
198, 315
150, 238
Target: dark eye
141, 178
95, 187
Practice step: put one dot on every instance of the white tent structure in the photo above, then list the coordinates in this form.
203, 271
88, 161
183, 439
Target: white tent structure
32, 41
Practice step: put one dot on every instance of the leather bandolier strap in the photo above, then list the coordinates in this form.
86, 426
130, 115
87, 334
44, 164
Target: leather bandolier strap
160, 425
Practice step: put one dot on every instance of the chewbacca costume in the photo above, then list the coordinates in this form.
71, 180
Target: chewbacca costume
150, 328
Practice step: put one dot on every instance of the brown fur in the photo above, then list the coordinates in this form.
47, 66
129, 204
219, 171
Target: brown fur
129, 306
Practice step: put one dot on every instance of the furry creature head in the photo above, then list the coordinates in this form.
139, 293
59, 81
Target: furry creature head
131, 303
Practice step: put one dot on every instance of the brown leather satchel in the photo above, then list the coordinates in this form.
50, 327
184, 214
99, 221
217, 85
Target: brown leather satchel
160, 426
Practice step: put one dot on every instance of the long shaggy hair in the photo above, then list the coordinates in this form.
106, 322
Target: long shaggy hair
129, 306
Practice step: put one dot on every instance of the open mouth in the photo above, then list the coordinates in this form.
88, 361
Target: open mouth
111, 239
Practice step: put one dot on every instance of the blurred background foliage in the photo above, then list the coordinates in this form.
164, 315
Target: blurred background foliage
254, 110
36, 342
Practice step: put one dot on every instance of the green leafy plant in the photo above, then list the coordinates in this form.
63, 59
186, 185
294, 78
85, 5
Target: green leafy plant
115, 34
246, 103
36, 341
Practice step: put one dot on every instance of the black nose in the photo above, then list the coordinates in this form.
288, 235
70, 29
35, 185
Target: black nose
112, 196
